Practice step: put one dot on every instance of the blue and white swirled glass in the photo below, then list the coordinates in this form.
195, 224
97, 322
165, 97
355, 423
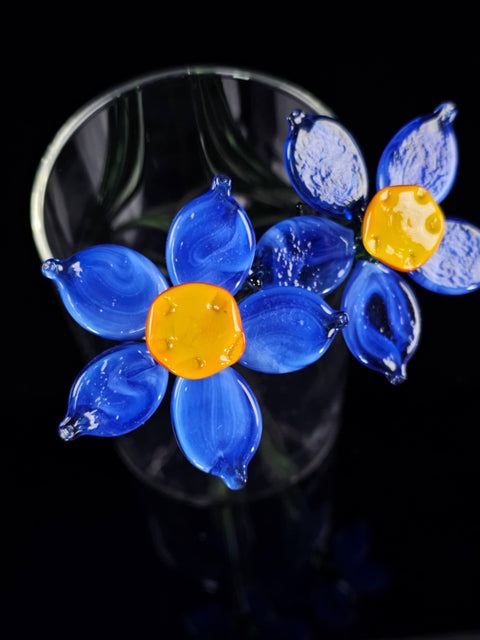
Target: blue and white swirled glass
115, 393
287, 328
211, 239
107, 289
384, 319
218, 424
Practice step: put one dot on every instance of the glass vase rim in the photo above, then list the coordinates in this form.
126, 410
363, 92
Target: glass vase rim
96, 104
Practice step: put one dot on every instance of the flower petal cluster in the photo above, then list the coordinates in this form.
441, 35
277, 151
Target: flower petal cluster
368, 248
401, 228
170, 325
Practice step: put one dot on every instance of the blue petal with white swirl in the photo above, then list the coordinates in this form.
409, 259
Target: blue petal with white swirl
218, 424
115, 393
287, 328
325, 164
454, 268
107, 289
312, 252
423, 153
384, 327
211, 239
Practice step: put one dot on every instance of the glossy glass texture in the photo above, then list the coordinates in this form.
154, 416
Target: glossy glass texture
195, 330
384, 319
119, 170
325, 165
454, 269
211, 240
224, 443
115, 393
402, 227
312, 252
423, 153
107, 289
287, 329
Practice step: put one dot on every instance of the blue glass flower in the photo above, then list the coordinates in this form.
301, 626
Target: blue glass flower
194, 329
193, 326
402, 228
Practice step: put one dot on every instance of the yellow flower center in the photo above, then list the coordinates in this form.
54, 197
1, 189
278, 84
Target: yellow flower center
402, 227
195, 330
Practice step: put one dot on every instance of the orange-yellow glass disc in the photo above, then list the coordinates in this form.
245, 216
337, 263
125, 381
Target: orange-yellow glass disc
195, 330
402, 227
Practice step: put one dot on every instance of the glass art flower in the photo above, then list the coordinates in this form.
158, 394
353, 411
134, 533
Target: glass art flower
203, 319
401, 230
192, 328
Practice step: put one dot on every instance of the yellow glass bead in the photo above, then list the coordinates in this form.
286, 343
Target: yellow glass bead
402, 227
195, 330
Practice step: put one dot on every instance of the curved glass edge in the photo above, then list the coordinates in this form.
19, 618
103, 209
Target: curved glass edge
89, 109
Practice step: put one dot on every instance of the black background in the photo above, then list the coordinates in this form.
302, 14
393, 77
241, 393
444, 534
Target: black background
78, 555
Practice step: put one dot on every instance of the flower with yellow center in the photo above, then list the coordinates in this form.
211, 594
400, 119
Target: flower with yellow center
194, 330
402, 227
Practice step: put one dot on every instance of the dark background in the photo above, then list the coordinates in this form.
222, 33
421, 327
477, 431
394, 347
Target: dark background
79, 557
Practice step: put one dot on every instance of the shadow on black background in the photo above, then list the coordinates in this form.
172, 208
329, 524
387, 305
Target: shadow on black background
391, 548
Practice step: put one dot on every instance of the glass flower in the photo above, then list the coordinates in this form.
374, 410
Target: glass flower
193, 328
401, 230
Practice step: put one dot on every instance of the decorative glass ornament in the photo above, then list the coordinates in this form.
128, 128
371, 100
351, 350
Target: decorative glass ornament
402, 227
286, 325
124, 190
195, 331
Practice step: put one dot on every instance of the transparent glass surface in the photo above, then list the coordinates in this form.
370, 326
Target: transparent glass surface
119, 170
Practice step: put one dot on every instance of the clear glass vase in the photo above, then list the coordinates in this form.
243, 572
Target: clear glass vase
118, 171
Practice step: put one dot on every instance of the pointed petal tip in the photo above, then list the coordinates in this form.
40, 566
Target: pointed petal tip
222, 183
69, 429
234, 476
398, 376
51, 268
236, 479
446, 112
341, 319
295, 118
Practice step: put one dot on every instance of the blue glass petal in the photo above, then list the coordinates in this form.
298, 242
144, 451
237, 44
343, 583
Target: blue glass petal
306, 251
107, 289
218, 424
286, 329
424, 153
454, 268
211, 239
115, 393
384, 327
325, 164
